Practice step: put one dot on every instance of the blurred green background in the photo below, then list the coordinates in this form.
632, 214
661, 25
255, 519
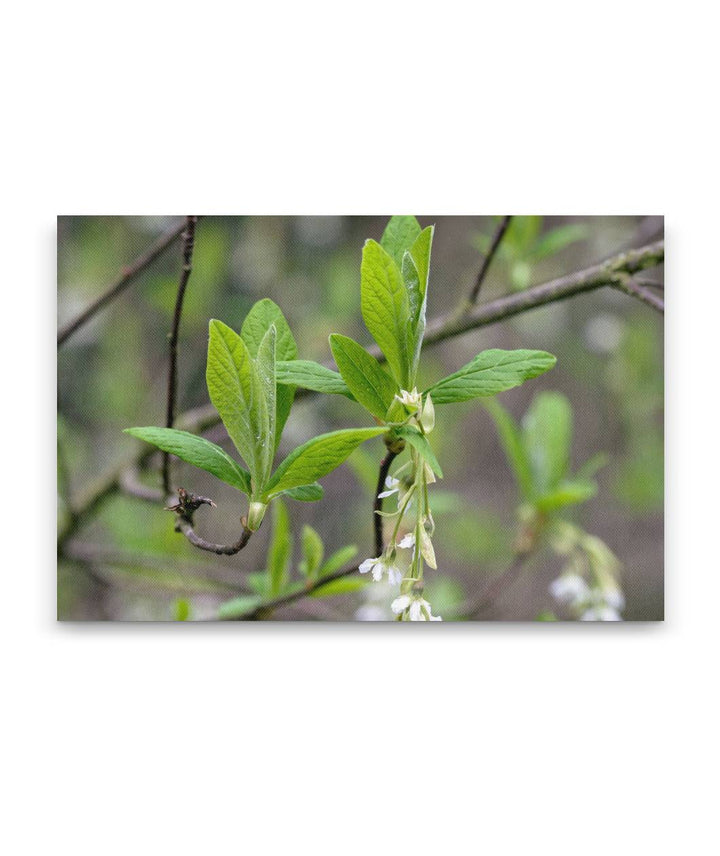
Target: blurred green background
127, 563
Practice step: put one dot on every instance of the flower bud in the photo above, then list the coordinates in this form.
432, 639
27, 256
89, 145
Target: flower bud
256, 512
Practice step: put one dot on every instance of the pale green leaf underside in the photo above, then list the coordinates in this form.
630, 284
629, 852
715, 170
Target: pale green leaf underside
491, 372
237, 394
400, 234
263, 315
198, 451
311, 375
369, 384
385, 308
317, 458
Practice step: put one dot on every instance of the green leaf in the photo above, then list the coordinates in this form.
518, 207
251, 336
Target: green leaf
317, 458
415, 271
263, 315
313, 550
311, 375
182, 609
557, 239
265, 365
338, 559
239, 606
385, 308
258, 581
489, 373
343, 585
369, 384
305, 493
238, 396
571, 492
547, 435
198, 451
420, 443
280, 549
512, 442
399, 235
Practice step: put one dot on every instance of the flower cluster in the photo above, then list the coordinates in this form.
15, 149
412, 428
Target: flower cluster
592, 604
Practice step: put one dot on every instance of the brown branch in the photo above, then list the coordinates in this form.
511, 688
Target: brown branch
446, 327
129, 275
378, 503
188, 246
487, 261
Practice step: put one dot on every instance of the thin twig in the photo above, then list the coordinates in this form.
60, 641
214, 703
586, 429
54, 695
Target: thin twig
185, 526
631, 286
487, 261
446, 327
128, 276
378, 503
188, 246
263, 610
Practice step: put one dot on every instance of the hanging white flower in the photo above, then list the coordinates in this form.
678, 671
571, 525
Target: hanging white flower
413, 608
407, 541
392, 485
381, 566
569, 589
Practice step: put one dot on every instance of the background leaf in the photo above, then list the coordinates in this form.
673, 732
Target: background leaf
369, 384
547, 435
280, 549
313, 551
198, 451
491, 372
338, 559
512, 442
317, 458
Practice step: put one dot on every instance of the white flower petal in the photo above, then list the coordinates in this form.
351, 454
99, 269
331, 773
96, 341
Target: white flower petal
394, 575
400, 604
407, 542
569, 588
367, 565
416, 611
377, 571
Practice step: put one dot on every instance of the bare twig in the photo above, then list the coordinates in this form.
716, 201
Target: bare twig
487, 261
378, 503
128, 276
631, 286
188, 246
446, 327
185, 507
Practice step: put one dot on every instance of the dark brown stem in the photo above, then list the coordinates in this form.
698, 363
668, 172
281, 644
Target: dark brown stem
129, 275
487, 261
378, 503
188, 246
185, 525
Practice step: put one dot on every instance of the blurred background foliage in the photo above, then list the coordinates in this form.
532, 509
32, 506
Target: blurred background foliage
128, 563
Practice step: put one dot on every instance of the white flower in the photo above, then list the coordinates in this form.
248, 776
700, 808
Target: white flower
407, 542
382, 565
392, 485
413, 608
569, 589
601, 613
615, 599
411, 400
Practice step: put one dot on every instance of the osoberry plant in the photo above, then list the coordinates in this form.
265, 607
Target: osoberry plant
252, 378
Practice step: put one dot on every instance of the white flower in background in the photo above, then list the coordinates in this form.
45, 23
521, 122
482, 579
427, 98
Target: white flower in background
392, 485
600, 613
381, 566
570, 589
413, 608
411, 400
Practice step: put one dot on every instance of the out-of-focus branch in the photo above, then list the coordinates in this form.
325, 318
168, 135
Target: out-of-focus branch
631, 286
129, 275
487, 261
496, 587
188, 246
446, 327
265, 609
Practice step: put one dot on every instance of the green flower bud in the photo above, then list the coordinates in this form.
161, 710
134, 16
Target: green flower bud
256, 512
